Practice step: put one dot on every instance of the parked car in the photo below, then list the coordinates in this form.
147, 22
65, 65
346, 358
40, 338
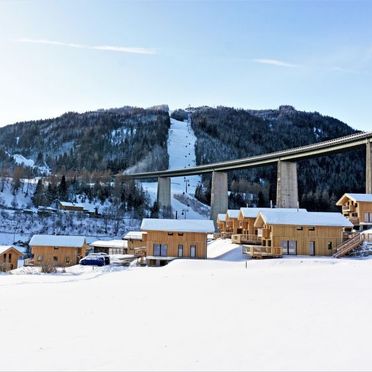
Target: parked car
105, 256
93, 261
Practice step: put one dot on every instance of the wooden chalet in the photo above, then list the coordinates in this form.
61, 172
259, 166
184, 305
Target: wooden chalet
221, 223
247, 233
136, 242
232, 223
57, 250
303, 233
110, 246
358, 209
76, 207
9, 256
168, 239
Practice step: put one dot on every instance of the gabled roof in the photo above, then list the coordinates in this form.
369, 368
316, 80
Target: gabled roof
253, 212
232, 213
157, 224
110, 243
305, 219
355, 197
221, 217
4, 248
134, 235
58, 241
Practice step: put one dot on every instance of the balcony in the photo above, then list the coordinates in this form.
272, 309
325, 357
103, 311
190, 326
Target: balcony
245, 239
263, 233
260, 251
348, 208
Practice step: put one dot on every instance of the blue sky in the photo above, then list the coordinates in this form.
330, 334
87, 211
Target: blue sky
59, 56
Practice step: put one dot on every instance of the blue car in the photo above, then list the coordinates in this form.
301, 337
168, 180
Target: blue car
92, 261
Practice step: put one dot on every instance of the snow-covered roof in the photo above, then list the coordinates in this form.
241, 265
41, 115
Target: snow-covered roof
253, 212
134, 235
58, 241
157, 224
4, 248
356, 198
232, 213
110, 243
306, 219
221, 217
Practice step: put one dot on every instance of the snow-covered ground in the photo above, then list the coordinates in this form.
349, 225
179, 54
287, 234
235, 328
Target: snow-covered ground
219, 314
181, 151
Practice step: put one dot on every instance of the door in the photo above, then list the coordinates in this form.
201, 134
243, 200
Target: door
292, 247
312, 248
192, 250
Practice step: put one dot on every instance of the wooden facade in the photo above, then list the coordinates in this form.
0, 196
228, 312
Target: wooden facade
232, 222
57, 255
9, 256
300, 239
357, 208
161, 244
221, 223
136, 242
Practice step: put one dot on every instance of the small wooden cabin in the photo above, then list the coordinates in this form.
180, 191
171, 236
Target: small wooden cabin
232, 222
9, 256
221, 222
168, 239
247, 217
110, 246
57, 250
358, 209
303, 233
136, 242
68, 206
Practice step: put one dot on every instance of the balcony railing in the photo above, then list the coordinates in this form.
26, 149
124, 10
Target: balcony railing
260, 251
245, 239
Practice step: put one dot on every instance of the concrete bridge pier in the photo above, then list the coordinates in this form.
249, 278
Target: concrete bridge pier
368, 167
287, 188
219, 197
164, 197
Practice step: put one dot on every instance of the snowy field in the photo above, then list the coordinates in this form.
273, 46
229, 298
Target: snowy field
181, 151
218, 314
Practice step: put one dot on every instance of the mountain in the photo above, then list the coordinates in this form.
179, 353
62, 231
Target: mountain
225, 133
101, 140
135, 139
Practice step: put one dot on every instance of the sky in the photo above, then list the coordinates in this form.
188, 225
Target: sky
80, 55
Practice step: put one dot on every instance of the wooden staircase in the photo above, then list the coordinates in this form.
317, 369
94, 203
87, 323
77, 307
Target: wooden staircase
348, 245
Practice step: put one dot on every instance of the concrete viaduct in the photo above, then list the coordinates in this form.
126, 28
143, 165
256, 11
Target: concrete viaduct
287, 190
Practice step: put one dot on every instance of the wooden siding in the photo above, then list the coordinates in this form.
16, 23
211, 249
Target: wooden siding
173, 239
355, 211
9, 259
325, 238
66, 256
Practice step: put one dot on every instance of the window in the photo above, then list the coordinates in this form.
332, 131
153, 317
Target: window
55, 258
289, 247
192, 250
312, 248
160, 250
269, 243
329, 245
300, 228
55, 248
39, 258
9, 257
180, 234
4, 257
170, 234
67, 260
180, 250
312, 228
156, 248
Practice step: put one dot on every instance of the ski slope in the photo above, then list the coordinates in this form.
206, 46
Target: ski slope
181, 151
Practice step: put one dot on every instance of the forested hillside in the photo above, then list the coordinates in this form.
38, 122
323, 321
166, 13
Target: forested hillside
226, 133
104, 140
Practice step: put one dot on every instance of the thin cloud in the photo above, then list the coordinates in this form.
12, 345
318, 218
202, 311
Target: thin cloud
109, 48
274, 62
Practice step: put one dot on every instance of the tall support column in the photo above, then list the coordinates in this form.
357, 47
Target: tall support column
219, 197
287, 188
368, 167
164, 197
